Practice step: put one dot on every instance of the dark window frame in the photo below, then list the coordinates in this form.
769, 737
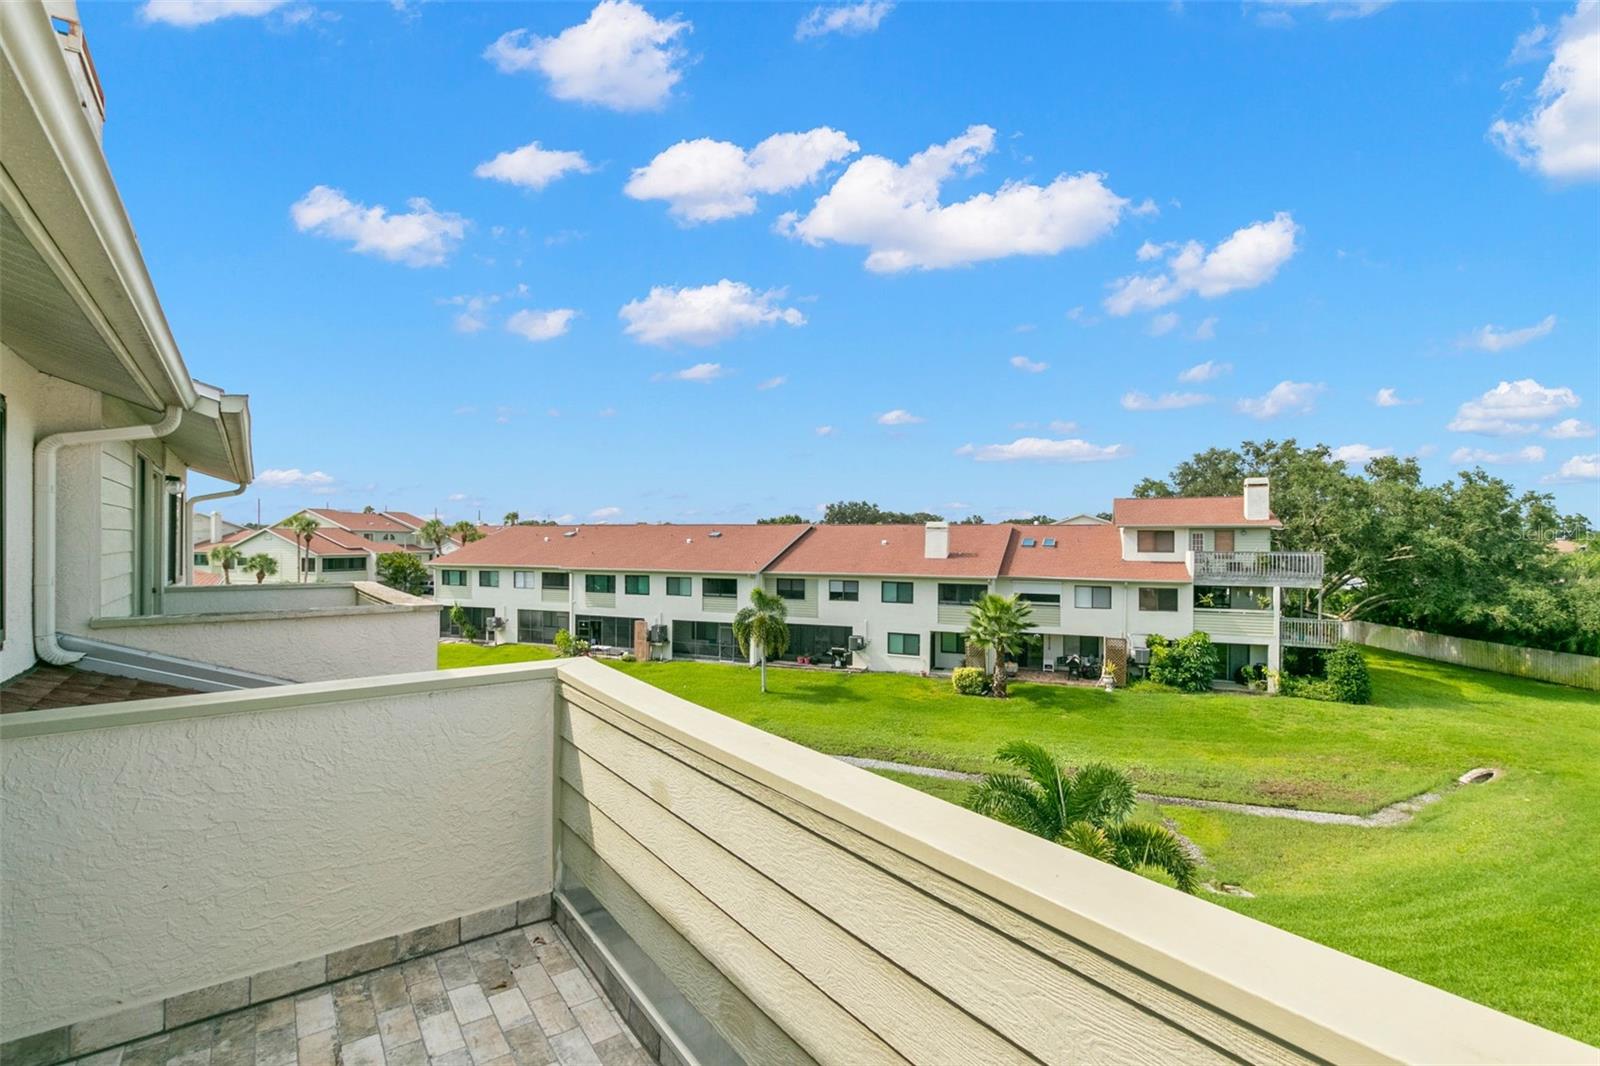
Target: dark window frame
686, 584
600, 584
488, 579
791, 588
636, 584
1093, 591
844, 590
453, 578
555, 579
907, 587
1152, 597
1150, 541
914, 639
711, 588
960, 594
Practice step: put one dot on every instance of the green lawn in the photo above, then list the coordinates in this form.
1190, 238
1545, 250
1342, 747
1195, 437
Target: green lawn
1493, 893
454, 655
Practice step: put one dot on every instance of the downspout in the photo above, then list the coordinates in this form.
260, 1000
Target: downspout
45, 644
188, 524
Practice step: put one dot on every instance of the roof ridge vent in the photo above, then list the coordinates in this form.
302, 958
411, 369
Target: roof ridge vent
570, 533
715, 533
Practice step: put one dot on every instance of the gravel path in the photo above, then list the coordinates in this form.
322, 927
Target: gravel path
1394, 814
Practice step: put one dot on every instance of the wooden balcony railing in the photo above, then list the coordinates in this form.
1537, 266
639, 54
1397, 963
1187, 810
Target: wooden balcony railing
1309, 632
1291, 569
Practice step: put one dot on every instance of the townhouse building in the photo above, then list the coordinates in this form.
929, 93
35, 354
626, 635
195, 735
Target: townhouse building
897, 597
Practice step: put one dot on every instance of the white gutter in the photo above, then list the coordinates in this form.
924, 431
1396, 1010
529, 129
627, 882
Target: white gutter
45, 644
188, 524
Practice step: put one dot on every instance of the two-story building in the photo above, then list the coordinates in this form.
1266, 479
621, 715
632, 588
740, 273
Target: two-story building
898, 597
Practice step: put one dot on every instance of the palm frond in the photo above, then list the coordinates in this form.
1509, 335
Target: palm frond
1089, 840
1101, 794
1143, 844
1047, 774
1016, 801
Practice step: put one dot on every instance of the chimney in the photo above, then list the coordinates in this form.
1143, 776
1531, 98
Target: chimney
936, 541
1257, 507
216, 526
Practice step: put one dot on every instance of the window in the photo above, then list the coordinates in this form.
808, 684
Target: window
818, 643
1049, 542
1029, 542
353, 562
636, 584
452, 577
897, 592
612, 632
704, 640
1092, 597
1197, 542
1049, 599
201, 559
539, 627
522, 579
600, 583
1158, 599
961, 595
1155, 540
905, 643
952, 644
1230, 598
844, 590
548, 580
680, 586
792, 588
309, 565
719, 587
488, 579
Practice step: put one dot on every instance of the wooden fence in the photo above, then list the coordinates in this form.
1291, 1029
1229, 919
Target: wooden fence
1563, 668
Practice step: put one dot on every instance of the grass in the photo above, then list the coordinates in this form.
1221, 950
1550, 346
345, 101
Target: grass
1492, 893
452, 656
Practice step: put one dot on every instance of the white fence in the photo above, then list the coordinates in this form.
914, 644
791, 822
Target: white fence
1563, 668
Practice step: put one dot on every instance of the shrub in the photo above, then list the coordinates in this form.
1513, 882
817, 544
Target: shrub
565, 645
969, 681
1188, 664
1347, 674
1305, 688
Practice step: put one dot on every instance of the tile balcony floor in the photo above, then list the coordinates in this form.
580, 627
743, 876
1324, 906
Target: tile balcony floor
522, 998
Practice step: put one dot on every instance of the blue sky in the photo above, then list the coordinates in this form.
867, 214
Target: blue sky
1012, 260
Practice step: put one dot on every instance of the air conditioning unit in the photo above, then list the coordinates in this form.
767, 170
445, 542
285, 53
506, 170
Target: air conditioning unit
497, 623
857, 642
658, 635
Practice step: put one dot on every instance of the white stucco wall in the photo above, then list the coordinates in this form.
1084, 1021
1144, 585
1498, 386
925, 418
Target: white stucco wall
315, 645
248, 596
151, 858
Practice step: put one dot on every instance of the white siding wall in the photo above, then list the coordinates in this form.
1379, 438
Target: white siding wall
117, 477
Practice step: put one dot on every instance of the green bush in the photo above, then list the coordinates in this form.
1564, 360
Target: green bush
969, 681
1188, 664
1347, 674
1305, 688
565, 645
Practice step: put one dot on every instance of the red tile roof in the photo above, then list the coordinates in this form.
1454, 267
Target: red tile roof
406, 518
205, 577
1081, 552
975, 552
361, 522
232, 538
1187, 511
740, 549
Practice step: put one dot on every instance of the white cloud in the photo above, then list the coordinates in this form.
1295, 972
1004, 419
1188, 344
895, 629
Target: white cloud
1512, 408
706, 181
1578, 468
1494, 339
619, 57
541, 325
1167, 401
1162, 324
532, 166
772, 383
1570, 429
894, 210
1022, 362
824, 431
705, 373
1531, 454
1286, 397
848, 19
418, 238
705, 315
1070, 450
1062, 426
192, 13
1206, 371
1247, 259
1559, 136
1207, 329
601, 514
898, 417
1388, 397
470, 319
293, 478
1358, 453
1151, 250
1077, 315
455, 497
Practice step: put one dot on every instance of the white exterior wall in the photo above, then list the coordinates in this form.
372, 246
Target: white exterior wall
288, 556
1247, 539
282, 824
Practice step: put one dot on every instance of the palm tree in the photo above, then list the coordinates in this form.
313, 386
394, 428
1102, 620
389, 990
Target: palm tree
996, 623
512, 518
1086, 811
762, 624
227, 557
466, 532
260, 564
304, 527
434, 532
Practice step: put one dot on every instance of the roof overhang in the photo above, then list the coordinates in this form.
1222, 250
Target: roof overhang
214, 436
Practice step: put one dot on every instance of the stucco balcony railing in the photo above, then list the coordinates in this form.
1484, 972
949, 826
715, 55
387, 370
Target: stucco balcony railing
1288, 569
738, 896
1309, 632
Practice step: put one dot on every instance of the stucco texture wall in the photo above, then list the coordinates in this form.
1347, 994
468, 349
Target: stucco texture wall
147, 859
320, 645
